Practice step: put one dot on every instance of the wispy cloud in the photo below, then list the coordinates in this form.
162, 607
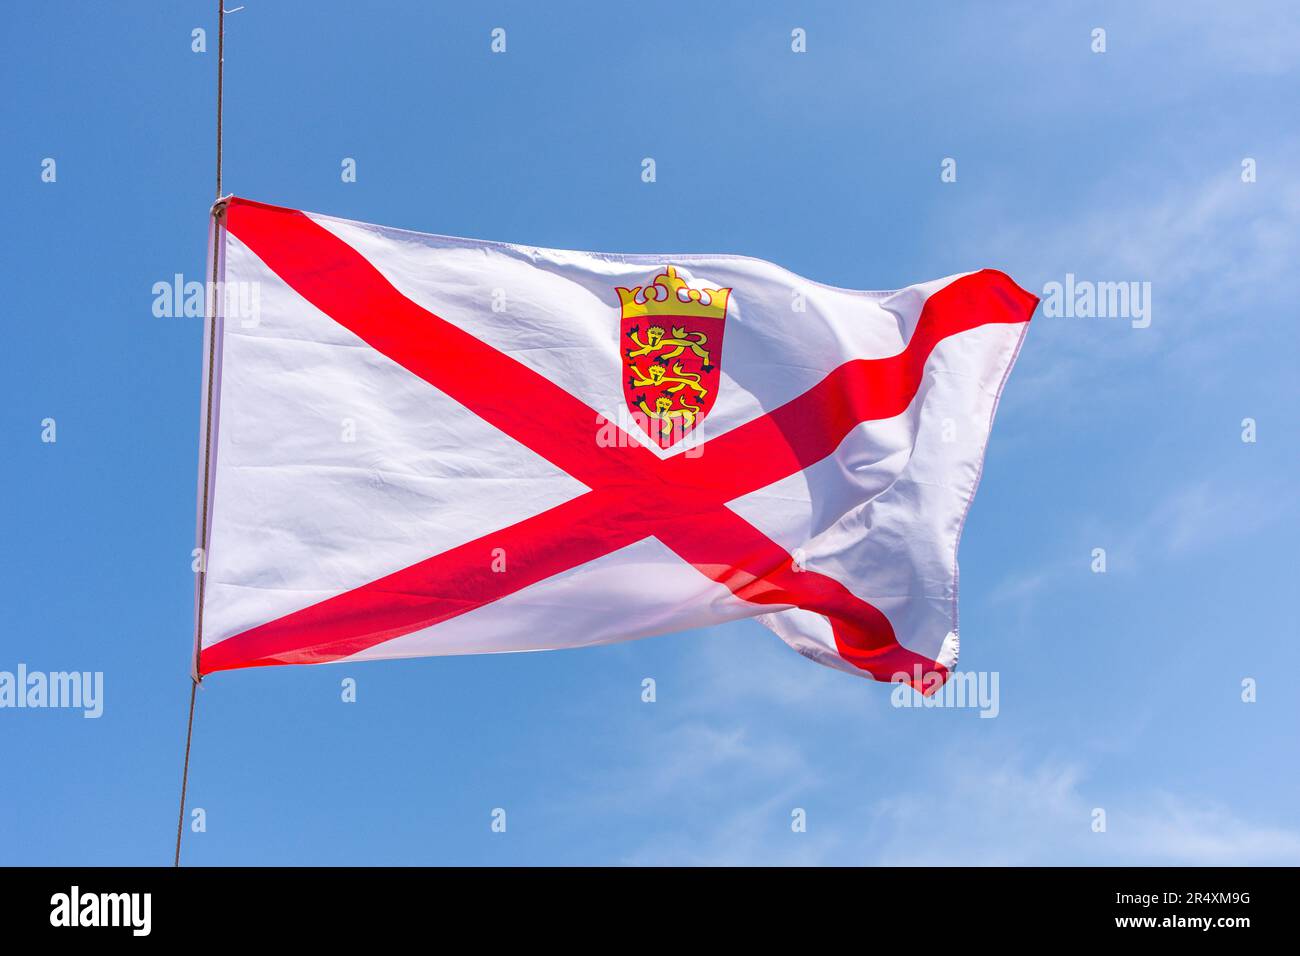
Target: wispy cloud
1218, 254
734, 768
1008, 812
1185, 520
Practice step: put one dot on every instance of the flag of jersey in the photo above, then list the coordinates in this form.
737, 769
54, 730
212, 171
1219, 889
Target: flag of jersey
422, 445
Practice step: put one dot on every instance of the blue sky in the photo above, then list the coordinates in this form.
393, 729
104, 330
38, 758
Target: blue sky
1119, 691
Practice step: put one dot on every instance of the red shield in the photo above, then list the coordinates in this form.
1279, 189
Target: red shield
671, 358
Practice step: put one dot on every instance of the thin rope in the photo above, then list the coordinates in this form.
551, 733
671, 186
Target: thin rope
217, 211
185, 774
221, 64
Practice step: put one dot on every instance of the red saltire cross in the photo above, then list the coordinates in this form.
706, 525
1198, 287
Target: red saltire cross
625, 478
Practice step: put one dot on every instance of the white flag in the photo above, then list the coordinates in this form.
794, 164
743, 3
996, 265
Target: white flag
423, 445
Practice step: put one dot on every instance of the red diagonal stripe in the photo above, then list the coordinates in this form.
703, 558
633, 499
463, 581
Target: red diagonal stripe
757, 569
431, 591
811, 426
503, 391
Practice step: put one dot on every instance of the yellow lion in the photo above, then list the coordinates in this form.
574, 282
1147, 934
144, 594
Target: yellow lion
668, 417
679, 342
657, 377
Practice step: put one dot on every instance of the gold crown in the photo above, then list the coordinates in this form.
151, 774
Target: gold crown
669, 295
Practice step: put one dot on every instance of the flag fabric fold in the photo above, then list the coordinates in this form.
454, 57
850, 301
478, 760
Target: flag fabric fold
423, 445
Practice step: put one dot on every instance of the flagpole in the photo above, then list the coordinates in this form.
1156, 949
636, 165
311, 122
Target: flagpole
195, 677
185, 774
